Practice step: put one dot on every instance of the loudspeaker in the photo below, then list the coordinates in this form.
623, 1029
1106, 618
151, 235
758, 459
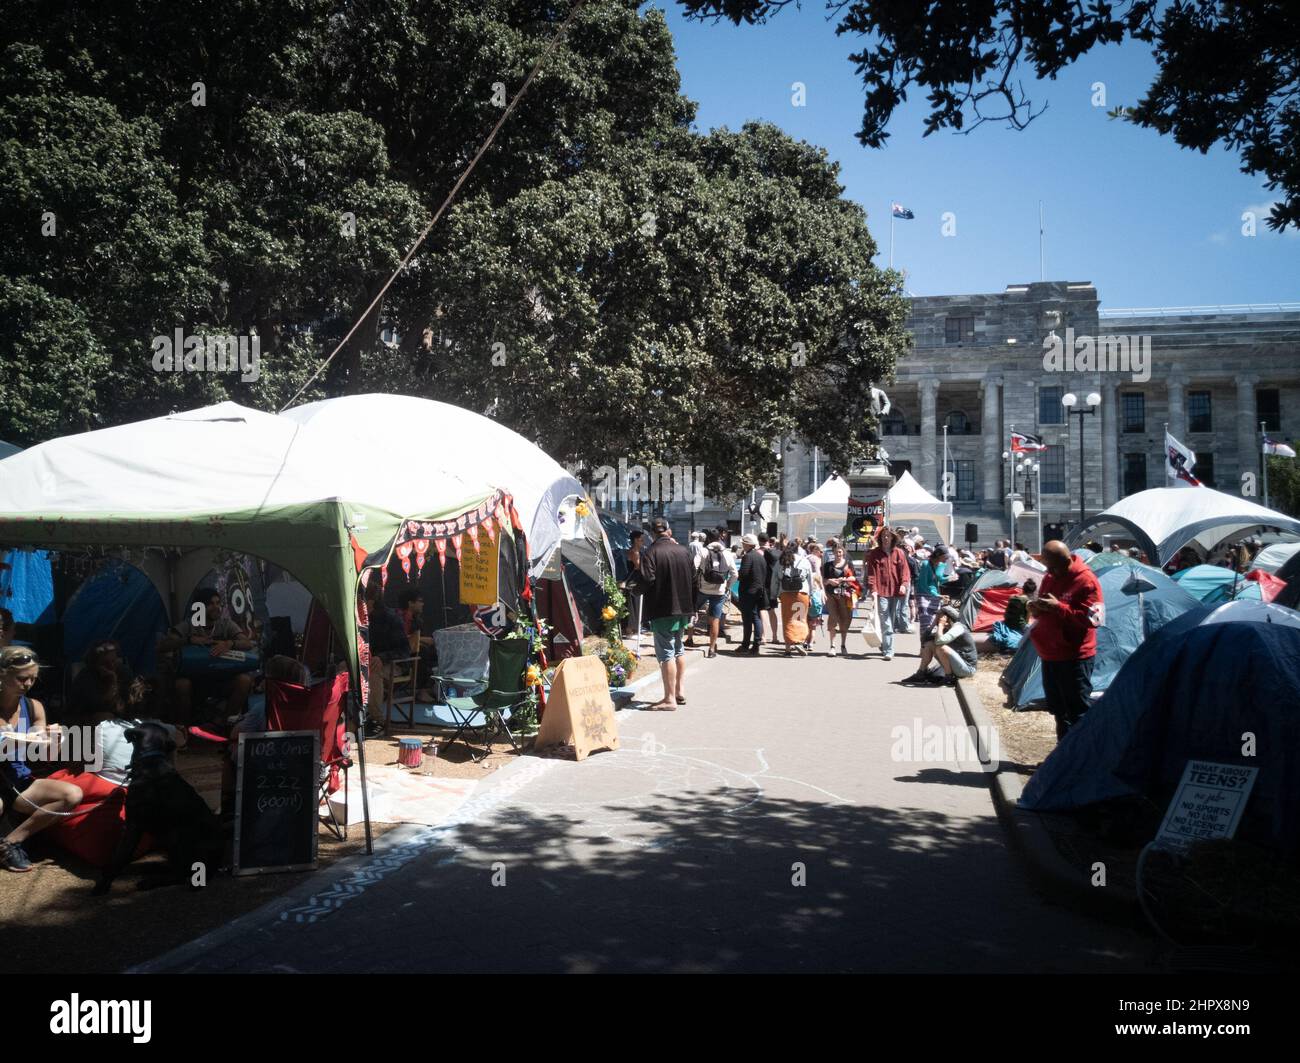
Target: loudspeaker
972, 533
771, 529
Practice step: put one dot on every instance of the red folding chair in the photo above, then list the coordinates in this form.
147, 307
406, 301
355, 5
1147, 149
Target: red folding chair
290, 707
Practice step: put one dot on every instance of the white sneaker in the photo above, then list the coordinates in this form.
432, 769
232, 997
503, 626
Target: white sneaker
831, 652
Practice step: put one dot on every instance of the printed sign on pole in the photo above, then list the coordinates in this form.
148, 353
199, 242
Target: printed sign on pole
478, 575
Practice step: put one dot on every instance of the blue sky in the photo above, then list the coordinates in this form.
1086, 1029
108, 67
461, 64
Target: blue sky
1148, 222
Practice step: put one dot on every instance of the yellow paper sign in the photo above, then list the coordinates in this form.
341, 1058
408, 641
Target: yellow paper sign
579, 711
478, 573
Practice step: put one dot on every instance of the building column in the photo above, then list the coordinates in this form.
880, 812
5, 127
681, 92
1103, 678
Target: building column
1177, 418
1109, 444
1249, 444
929, 425
991, 429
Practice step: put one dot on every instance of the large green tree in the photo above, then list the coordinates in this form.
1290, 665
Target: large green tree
1228, 71
261, 166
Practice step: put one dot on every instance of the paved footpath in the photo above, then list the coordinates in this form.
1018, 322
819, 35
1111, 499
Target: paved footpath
685, 850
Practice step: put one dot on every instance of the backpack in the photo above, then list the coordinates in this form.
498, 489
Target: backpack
716, 569
791, 580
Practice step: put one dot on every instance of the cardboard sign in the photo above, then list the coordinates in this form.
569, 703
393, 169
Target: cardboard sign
1207, 805
478, 573
579, 711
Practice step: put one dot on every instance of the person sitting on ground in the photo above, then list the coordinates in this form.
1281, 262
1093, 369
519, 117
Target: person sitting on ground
1017, 612
953, 647
207, 626
35, 803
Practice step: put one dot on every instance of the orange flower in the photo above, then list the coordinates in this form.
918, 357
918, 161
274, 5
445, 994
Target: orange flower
609, 612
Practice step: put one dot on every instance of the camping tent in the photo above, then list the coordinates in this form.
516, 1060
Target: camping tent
1190, 692
1211, 584
821, 513
1124, 629
985, 601
1273, 557
1163, 520
911, 504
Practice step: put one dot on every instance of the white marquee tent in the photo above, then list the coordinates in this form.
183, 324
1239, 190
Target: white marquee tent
825, 511
1165, 519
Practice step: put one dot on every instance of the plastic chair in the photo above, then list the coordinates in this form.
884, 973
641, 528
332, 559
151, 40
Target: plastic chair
290, 707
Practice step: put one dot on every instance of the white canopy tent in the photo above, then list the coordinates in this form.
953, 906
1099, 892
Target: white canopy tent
1165, 519
445, 438
909, 503
821, 513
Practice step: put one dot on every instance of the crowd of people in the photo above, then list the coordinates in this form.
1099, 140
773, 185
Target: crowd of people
905, 584
788, 591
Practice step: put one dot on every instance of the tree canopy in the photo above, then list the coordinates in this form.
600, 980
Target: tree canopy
610, 282
1227, 73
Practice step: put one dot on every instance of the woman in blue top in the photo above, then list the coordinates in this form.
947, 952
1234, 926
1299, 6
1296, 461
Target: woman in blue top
37, 802
931, 577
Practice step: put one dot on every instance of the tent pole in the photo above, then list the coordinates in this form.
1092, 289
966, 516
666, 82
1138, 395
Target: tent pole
361, 763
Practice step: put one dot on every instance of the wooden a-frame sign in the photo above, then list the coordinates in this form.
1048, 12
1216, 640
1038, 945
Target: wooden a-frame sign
579, 711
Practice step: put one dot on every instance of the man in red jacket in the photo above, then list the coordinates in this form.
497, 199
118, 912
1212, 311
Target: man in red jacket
1067, 613
888, 575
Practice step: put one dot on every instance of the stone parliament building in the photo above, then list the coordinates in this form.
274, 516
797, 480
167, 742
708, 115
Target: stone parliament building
978, 368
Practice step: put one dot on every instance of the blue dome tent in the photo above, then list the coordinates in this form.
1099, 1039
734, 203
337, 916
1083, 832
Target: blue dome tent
1190, 692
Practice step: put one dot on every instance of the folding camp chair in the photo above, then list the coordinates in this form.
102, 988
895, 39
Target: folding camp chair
290, 707
489, 709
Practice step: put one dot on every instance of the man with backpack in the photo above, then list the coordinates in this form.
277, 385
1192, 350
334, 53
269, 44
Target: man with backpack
716, 574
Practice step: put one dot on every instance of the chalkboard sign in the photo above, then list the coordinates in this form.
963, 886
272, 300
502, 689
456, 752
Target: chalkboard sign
276, 801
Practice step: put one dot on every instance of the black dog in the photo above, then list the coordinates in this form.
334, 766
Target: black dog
159, 802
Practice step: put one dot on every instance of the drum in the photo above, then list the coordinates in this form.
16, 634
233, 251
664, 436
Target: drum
410, 752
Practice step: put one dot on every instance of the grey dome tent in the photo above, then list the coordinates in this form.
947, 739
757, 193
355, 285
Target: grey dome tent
1125, 628
1190, 692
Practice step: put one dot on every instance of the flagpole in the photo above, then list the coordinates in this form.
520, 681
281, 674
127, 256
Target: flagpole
944, 480
1263, 460
1164, 447
891, 237
1042, 273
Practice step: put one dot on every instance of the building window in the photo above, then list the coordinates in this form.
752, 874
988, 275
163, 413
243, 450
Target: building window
1203, 470
965, 485
895, 424
1199, 412
959, 330
1053, 470
957, 424
1135, 473
1050, 410
1135, 412
1268, 408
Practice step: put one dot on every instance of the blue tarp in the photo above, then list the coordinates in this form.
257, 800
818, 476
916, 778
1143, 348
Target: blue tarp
120, 603
1118, 637
27, 586
1191, 692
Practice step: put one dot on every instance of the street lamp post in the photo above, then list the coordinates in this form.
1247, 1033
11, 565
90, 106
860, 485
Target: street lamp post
1070, 401
1033, 468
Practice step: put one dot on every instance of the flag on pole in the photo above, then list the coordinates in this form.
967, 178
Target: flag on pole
1023, 443
1278, 450
901, 211
1179, 462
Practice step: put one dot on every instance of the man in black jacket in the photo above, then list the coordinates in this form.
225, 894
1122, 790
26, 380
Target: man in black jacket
771, 555
753, 594
667, 583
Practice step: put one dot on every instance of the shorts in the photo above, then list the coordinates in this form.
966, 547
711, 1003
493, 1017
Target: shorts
669, 646
714, 604
960, 668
